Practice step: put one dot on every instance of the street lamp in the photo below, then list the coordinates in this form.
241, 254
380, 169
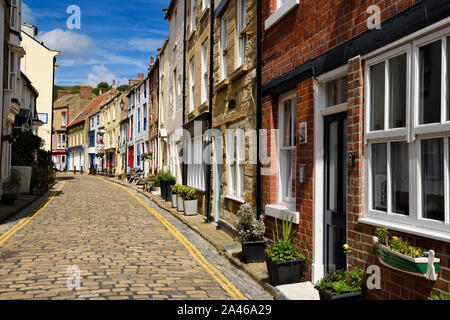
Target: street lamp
122, 104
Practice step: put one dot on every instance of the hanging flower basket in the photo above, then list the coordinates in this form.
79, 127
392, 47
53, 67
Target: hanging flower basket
426, 267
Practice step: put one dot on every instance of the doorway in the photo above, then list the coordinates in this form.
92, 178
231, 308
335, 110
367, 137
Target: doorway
335, 215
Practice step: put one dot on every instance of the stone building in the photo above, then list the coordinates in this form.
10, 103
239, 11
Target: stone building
65, 109
234, 112
363, 136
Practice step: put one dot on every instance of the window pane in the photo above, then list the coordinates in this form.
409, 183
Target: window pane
337, 91
379, 176
430, 83
377, 93
433, 179
397, 94
400, 178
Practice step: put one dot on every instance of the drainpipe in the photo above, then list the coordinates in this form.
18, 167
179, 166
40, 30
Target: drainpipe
258, 112
51, 122
183, 167
209, 219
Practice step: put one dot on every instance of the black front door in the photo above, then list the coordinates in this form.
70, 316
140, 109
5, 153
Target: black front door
335, 230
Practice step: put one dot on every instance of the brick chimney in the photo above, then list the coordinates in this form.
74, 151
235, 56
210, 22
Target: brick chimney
152, 61
62, 93
114, 85
85, 92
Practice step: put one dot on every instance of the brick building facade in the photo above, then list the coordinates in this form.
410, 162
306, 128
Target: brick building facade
353, 104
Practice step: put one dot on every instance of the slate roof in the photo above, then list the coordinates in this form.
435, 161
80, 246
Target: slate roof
86, 112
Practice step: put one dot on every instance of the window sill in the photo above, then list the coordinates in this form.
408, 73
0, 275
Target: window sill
280, 13
236, 199
239, 72
282, 212
414, 230
204, 106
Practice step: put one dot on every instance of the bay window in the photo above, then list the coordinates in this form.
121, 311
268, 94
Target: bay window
407, 136
241, 32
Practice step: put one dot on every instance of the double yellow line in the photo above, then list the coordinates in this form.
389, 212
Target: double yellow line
196, 254
21, 224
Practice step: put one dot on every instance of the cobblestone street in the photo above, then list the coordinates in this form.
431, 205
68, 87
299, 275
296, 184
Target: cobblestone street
124, 248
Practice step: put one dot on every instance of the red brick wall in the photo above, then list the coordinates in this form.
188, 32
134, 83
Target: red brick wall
314, 27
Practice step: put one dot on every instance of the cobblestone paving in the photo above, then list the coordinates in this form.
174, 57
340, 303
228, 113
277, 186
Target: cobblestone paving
121, 249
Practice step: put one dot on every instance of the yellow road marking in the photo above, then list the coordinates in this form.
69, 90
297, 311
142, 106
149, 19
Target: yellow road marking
216, 274
21, 224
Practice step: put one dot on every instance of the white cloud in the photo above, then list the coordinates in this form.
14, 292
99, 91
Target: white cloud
75, 48
27, 14
100, 73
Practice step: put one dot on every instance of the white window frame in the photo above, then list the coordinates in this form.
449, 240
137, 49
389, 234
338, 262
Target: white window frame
283, 199
241, 25
413, 134
224, 47
63, 119
204, 69
236, 161
12, 72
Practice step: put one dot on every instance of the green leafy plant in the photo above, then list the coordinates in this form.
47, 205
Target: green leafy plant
284, 249
342, 281
398, 244
248, 227
442, 297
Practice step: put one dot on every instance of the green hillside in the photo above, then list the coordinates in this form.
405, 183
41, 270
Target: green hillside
75, 89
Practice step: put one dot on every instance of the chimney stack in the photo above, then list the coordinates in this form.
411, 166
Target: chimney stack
114, 85
62, 93
152, 61
85, 92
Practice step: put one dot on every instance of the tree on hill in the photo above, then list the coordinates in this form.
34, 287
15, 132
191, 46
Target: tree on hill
123, 87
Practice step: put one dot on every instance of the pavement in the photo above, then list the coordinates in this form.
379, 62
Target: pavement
94, 239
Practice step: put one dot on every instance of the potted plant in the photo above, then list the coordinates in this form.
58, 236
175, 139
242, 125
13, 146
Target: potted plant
342, 284
190, 202
180, 195
251, 234
398, 254
174, 195
170, 181
11, 188
283, 259
157, 185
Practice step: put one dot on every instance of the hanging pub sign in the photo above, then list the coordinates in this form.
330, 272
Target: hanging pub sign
303, 134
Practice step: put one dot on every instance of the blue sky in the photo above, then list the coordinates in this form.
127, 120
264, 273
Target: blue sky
115, 42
